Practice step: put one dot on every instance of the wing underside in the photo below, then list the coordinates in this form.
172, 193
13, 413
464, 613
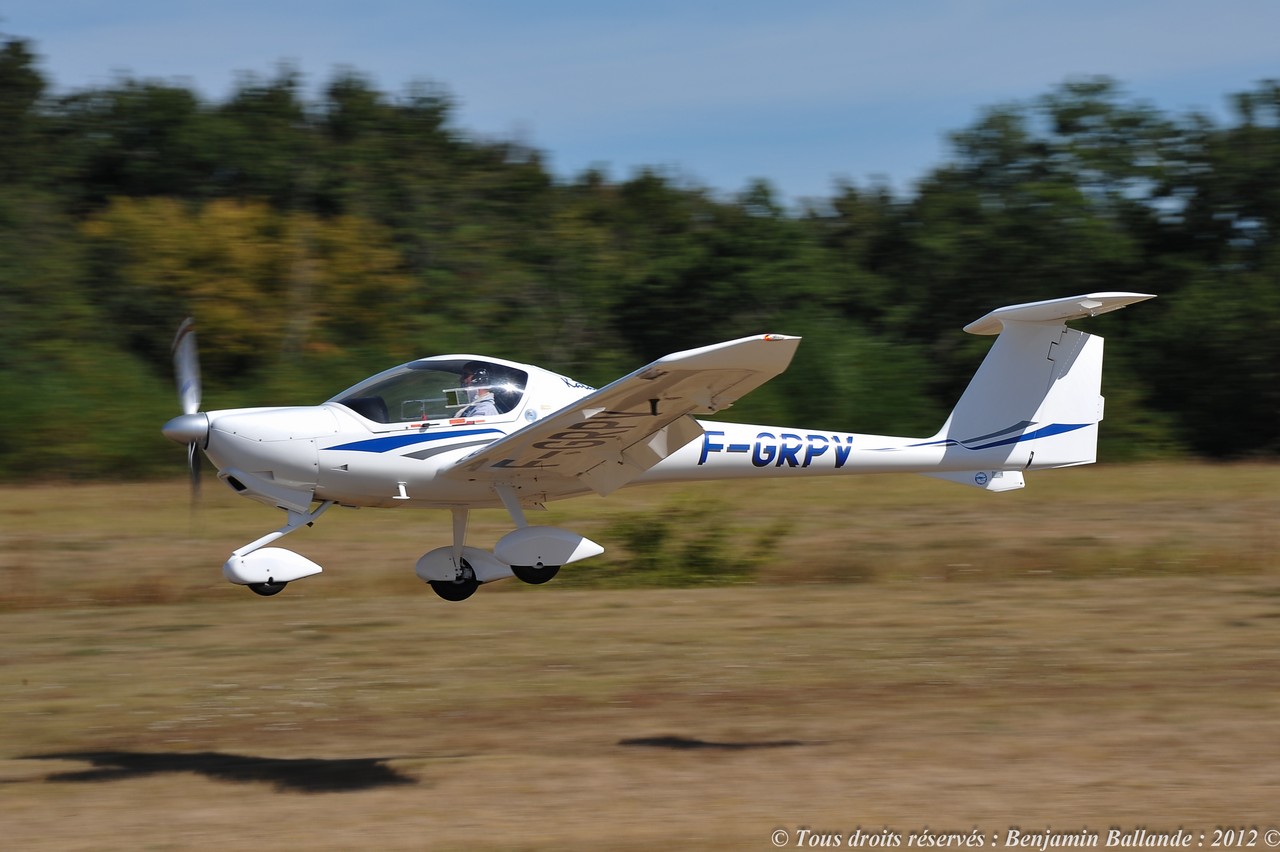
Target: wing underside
610, 437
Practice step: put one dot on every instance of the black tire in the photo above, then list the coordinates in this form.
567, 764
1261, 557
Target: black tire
267, 589
457, 590
535, 575
454, 590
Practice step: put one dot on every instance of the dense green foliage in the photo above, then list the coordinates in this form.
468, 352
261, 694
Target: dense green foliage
319, 241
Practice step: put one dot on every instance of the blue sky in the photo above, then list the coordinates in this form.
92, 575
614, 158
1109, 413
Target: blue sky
799, 93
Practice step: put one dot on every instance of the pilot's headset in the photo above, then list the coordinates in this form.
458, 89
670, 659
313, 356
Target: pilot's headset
504, 385
476, 376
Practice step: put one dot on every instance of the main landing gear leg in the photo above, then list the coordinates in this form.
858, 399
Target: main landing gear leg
464, 583
537, 573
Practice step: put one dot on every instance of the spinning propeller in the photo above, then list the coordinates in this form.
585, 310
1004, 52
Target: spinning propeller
191, 427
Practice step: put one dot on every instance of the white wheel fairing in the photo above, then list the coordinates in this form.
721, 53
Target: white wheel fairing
269, 565
536, 546
438, 565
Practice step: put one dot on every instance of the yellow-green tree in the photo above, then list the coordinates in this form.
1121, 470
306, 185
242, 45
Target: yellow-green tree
267, 286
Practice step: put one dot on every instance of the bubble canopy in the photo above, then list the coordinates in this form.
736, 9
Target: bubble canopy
437, 389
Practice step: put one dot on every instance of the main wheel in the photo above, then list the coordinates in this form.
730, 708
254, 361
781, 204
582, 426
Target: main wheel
267, 589
460, 589
454, 590
535, 575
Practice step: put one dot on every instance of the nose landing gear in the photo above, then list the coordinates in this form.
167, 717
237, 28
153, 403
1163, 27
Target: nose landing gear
267, 570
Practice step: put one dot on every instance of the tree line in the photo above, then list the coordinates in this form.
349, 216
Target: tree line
320, 239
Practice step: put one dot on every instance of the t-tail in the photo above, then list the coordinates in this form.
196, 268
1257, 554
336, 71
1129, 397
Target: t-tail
1036, 400
1034, 403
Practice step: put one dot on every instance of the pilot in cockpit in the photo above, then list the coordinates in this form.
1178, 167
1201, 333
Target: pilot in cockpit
478, 381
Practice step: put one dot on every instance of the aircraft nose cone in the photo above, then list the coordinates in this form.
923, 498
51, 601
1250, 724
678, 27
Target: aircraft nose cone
187, 428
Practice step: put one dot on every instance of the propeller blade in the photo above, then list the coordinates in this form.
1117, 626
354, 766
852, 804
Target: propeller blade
186, 366
190, 426
193, 464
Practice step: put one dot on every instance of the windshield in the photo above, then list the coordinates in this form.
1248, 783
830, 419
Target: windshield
438, 390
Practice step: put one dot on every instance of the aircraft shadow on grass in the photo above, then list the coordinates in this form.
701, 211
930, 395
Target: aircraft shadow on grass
305, 775
691, 744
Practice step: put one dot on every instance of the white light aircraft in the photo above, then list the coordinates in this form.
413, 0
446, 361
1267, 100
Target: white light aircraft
463, 432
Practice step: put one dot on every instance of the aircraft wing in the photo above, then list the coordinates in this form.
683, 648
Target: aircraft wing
613, 435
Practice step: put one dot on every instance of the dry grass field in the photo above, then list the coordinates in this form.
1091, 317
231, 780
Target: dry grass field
1099, 650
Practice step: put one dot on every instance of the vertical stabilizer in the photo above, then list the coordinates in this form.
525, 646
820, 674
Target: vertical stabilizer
1036, 400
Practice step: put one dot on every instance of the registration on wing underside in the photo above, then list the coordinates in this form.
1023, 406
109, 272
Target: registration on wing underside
606, 447
615, 434
610, 445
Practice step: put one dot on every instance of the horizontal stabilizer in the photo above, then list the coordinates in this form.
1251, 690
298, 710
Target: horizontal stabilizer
1055, 310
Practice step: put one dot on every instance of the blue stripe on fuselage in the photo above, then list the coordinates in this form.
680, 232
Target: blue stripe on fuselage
395, 442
